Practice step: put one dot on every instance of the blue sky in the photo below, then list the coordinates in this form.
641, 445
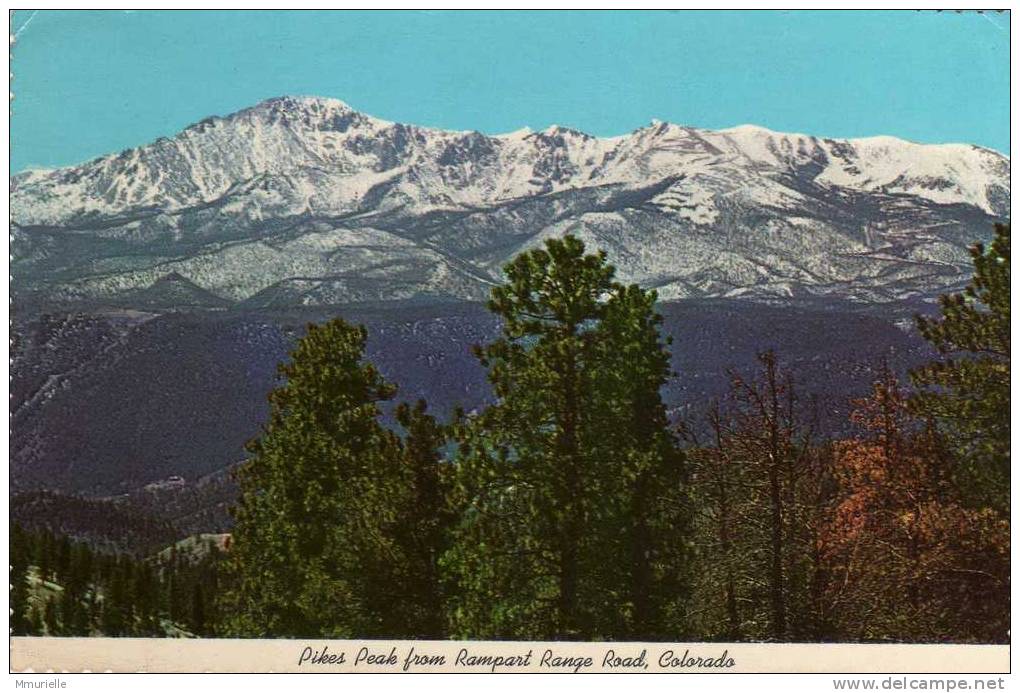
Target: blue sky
90, 83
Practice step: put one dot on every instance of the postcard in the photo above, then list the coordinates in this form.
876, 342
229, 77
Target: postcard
510, 341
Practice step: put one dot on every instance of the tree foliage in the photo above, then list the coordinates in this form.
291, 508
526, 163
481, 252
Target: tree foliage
313, 543
87, 592
568, 484
907, 560
967, 391
337, 522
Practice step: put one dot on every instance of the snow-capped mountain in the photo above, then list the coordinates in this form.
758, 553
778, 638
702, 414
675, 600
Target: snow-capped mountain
305, 201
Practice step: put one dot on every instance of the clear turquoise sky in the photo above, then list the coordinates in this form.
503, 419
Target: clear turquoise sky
89, 83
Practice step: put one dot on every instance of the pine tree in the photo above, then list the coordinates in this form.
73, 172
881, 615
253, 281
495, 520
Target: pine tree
424, 520
19, 551
145, 600
198, 616
314, 549
117, 617
44, 555
639, 465
175, 587
63, 564
35, 622
967, 392
558, 481
51, 619
72, 614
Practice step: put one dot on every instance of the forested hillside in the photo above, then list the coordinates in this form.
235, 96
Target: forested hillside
571, 504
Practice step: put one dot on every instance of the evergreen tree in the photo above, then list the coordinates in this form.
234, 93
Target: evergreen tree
117, 615
73, 615
424, 519
175, 586
93, 609
557, 481
314, 549
19, 551
145, 600
114, 595
51, 619
640, 466
35, 622
967, 392
44, 556
198, 616
76, 582
63, 564
209, 577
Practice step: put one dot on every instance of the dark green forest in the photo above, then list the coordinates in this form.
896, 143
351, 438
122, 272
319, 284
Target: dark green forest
575, 508
61, 587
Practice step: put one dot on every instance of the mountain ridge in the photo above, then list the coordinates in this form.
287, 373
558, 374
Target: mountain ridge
317, 203
524, 130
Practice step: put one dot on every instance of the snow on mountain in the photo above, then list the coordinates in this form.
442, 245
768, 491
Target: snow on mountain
307, 201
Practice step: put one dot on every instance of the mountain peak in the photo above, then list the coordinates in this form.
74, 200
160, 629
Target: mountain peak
308, 102
658, 127
554, 130
306, 107
282, 106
